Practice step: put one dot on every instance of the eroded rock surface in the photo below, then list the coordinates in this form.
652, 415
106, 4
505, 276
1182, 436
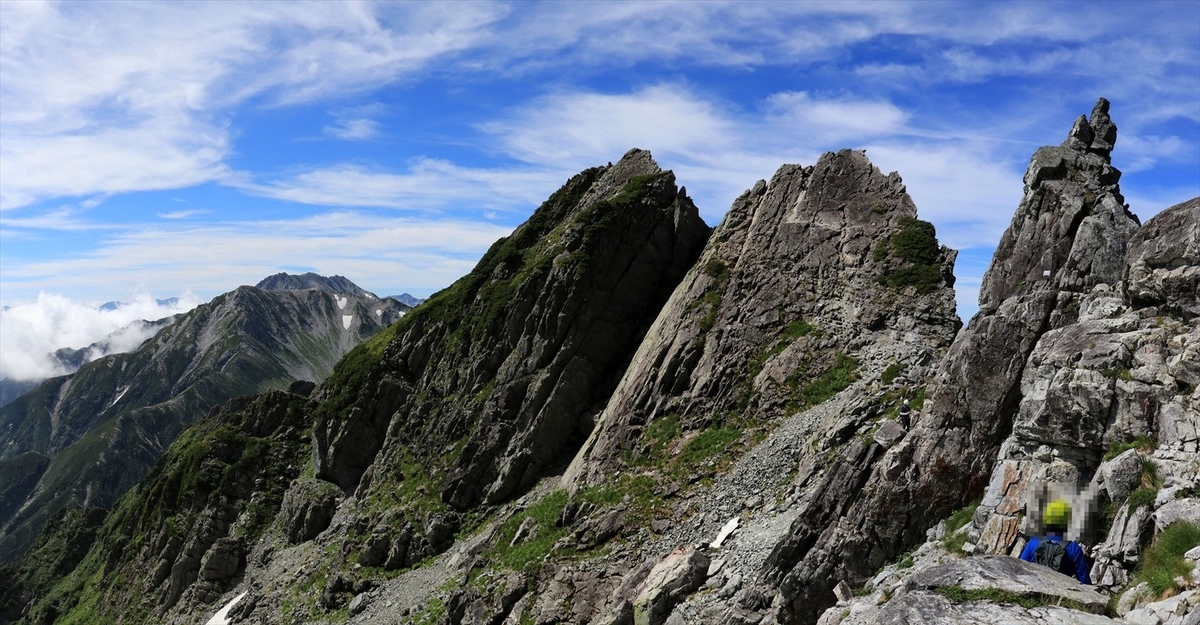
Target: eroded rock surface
1034, 379
822, 264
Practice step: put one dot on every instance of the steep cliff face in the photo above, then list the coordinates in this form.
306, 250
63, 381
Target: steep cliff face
493, 379
1068, 237
92, 435
1109, 421
1124, 370
821, 276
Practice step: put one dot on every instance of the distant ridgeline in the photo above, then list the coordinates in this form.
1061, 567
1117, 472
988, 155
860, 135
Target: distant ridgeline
619, 407
84, 439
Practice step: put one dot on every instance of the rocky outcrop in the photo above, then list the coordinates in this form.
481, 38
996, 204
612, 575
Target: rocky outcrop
1016, 578
932, 585
1067, 239
824, 271
1125, 369
308, 508
1161, 264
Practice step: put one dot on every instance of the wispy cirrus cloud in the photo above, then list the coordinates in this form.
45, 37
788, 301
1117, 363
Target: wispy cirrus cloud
184, 214
117, 97
353, 129
356, 123
426, 186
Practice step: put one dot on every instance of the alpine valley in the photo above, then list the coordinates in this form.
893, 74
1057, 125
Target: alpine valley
621, 416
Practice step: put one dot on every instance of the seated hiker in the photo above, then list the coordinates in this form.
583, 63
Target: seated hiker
905, 414
1054, 551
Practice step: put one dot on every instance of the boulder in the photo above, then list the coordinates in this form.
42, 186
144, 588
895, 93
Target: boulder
1186, 510
929, 608
222, 561
889, 434
307, 509
667, 584
1009, 575
1121, 475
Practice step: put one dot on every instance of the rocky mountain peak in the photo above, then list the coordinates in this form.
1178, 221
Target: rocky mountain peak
506, 369
1070, 229
338, 285
1097, 135
823, 271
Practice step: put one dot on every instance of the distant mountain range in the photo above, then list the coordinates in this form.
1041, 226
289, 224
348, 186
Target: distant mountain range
115, 305
407, 299
83, 439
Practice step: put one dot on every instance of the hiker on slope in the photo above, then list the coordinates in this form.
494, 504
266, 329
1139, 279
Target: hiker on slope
905, 414
1054, 551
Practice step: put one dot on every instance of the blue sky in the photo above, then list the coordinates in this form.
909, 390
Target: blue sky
188, 148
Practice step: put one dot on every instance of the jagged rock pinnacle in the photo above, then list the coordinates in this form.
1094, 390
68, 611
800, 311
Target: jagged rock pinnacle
1097, 135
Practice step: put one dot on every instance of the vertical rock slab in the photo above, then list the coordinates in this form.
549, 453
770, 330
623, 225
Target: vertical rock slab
1068, 228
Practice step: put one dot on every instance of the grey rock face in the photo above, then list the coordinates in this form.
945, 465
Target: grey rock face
797, 273
1112, 374
1163, 260
307, 509
1011, 575
928, 608
1067, 238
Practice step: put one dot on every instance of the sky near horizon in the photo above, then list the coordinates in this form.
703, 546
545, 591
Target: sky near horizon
183, 149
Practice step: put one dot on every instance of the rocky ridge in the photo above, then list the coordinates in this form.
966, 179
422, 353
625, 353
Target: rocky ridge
648, 509
746, 465
809, 275
486, 383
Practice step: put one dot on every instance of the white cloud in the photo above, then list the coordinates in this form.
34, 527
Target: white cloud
579, 129
110, 98
353, 129
717, 153
183, 214
356, 123
839, 120
379, 253
30, 332
428, 185
967, 192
